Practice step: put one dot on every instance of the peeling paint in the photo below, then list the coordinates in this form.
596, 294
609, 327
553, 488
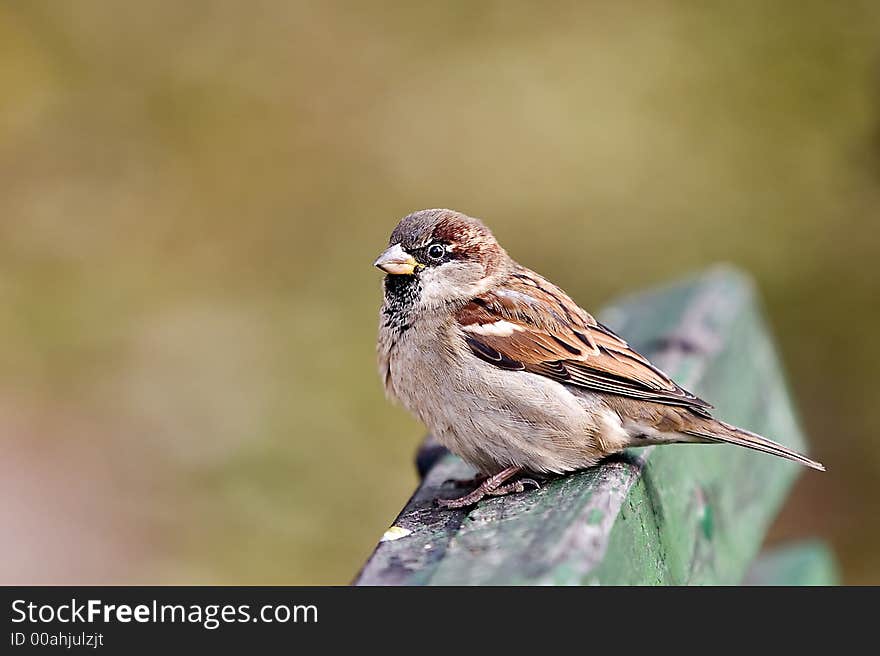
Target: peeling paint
395, 533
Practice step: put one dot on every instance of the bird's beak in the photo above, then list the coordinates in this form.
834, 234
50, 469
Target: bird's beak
396, 261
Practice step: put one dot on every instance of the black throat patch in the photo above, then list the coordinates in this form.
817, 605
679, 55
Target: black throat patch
401, 295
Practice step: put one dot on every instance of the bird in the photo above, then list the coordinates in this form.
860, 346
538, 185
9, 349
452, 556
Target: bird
509, 373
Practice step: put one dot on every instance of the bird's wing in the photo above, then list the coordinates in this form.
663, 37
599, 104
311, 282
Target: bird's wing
529, 324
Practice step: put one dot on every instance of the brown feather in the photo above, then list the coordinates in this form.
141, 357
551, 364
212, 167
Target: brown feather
552, 336
676, 424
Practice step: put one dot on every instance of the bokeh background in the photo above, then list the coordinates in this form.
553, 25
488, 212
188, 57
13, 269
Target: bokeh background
193, 193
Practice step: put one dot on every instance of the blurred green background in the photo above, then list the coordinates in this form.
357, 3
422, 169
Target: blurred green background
193, 194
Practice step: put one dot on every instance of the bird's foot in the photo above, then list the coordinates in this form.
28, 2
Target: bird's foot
463, 501
491, 486
516, 486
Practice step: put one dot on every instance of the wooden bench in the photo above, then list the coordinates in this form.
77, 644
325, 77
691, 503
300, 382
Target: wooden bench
681, 514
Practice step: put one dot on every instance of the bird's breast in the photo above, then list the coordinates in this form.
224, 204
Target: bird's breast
489, 416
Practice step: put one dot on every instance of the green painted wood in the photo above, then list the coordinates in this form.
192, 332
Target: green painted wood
804, 563
680, 514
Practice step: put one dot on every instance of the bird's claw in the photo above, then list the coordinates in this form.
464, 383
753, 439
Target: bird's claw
493, 486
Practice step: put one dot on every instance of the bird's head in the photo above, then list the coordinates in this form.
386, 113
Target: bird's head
441, 257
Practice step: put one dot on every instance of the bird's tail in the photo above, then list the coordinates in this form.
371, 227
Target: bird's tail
718, 431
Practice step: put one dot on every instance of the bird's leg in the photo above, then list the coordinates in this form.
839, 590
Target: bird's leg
487, 487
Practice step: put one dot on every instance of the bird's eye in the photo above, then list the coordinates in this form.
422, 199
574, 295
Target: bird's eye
436, 251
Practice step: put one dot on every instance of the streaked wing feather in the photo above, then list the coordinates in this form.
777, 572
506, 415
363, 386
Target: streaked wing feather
532, 325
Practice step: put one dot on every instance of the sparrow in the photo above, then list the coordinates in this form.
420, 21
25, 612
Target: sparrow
510, 374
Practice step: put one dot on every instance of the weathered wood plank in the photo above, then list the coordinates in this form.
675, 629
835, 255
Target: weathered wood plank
659, 515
